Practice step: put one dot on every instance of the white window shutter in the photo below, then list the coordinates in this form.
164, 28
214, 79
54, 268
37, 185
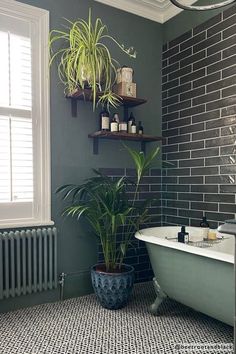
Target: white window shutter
24, 116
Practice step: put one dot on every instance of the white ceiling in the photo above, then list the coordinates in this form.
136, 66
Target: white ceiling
155, 10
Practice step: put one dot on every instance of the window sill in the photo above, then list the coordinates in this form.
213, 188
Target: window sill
26, 224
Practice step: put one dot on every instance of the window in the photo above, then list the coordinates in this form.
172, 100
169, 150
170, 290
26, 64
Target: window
24, 116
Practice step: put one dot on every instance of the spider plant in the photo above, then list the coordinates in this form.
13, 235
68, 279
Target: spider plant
104, 203
85, 61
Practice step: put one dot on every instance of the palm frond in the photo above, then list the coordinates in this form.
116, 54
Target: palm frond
104, 203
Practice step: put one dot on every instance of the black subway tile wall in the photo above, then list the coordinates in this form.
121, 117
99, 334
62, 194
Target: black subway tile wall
150, 187
199, 127
199, 123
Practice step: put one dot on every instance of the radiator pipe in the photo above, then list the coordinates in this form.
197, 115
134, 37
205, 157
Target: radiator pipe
62, 278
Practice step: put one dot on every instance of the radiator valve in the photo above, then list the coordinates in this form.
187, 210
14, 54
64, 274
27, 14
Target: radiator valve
62, 277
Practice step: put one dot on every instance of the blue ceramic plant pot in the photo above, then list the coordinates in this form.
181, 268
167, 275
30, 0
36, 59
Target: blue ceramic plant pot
112, 289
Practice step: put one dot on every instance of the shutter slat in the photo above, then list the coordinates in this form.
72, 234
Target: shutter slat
4, 72
20, 66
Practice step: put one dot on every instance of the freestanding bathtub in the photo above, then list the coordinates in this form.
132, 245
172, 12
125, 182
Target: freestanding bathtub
199, 275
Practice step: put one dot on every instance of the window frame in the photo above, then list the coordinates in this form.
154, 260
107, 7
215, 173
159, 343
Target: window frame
39, 19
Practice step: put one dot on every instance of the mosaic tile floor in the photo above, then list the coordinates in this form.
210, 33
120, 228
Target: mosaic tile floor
81, 326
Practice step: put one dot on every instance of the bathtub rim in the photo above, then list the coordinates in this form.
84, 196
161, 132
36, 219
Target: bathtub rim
204, 252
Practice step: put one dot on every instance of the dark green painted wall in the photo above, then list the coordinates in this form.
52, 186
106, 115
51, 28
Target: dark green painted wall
71, 150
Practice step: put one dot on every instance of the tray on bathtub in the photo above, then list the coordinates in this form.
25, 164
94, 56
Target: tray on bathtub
202, 244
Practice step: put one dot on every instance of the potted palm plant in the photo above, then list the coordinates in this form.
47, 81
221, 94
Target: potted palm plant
105, 205
84, 60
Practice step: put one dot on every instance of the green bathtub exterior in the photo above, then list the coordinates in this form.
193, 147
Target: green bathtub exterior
202, 283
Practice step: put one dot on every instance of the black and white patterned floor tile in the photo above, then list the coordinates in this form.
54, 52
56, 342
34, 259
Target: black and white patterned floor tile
81, 326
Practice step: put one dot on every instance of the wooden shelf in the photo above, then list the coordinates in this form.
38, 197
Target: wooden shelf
86, 95
143, 139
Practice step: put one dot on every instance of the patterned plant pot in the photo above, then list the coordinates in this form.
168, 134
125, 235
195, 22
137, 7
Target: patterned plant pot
112, 289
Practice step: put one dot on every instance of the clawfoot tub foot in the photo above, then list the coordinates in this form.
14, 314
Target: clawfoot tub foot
160, 296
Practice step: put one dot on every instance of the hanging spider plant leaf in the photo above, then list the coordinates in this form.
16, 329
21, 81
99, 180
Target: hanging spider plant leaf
109, 99
85, 61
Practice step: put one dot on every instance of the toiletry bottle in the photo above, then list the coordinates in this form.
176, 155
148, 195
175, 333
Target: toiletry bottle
123, 126
205, 227
116, 116
104, 120
183, 236
212, 235
114, 124
130, 121
133, 127
140, 128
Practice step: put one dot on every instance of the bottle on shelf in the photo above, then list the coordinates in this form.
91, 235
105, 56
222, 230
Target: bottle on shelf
140, 128
183, 236
104, 120
133, 127
114, 123
123, 126
130, 121
116, 117
205, 227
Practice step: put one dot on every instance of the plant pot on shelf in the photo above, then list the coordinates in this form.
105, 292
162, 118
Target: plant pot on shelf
112, 289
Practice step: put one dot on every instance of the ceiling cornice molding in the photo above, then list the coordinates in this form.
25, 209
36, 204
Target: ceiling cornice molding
135, 8
155, 10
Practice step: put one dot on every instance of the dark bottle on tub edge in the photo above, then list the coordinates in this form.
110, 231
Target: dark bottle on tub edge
204, 222
183, 236
205, 227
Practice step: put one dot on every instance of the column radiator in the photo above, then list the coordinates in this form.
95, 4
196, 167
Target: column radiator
28, 261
